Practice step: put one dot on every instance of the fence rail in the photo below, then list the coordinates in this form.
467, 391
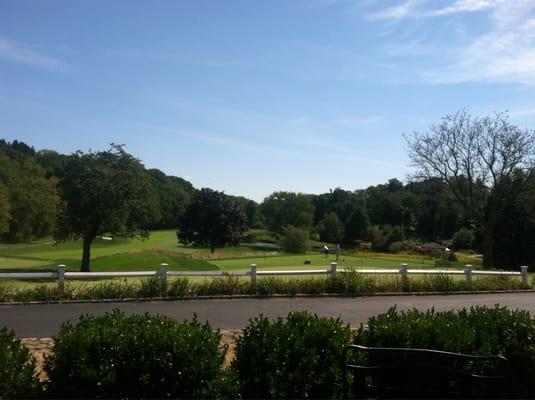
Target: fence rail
62, 274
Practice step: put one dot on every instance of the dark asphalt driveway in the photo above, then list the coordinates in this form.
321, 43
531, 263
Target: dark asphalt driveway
44, 320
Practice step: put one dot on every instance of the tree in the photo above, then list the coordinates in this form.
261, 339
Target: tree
330, 228
173, 195
475, 156
287, 208
30, 197
437, 213
342, 202
463, 239
4, 210
382, 238
384, 203
212, 219
515, 228
294, 240
357, 225
104, 192
251, 209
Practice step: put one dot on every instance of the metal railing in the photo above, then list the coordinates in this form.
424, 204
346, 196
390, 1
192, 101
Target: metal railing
404, 271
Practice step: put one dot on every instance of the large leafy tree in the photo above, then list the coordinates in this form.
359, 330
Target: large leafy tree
331, 228
437, 213
173, 195
28, 199
105, 192
476, 157
251, 209
281, 209
4, 210
514, 235
212, 219
357, 225
342, 202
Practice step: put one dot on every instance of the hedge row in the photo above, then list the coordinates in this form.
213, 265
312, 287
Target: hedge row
349, 283
145, 356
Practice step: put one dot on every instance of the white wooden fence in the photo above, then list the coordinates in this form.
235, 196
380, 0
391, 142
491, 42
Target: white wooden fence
404, 271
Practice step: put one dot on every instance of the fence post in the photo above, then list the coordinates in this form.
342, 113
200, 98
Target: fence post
163, 273
333, 269
404, 276
253, 274
468, 272
61, 276
524, 269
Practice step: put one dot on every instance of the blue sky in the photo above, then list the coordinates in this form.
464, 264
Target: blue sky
250, 97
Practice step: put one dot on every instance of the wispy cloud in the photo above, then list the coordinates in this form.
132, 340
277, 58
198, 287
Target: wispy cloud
416, 9
23, 53
395, 12
228, 142
504, 53
462, 6
240, 145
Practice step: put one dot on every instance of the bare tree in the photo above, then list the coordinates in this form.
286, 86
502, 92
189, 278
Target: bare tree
475, 156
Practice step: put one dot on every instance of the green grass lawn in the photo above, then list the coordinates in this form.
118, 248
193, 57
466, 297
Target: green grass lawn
162, 247
118, 254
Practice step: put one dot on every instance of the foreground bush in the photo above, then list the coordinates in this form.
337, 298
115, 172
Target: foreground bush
140, 356
17, 369
478, 331
296, 357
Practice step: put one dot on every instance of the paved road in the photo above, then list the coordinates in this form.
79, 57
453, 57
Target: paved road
45, 320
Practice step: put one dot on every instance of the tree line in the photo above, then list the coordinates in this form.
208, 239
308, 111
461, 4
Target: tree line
474, 189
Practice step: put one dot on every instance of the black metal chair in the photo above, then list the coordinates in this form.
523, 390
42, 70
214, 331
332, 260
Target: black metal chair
380, 372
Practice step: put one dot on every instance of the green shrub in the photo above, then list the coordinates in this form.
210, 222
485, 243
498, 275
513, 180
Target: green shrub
478, 331
449, 256
225, 284
382, 238
269, 285
5, 292
445, 259
296, 357
351, 281
274, 285
107, 290
178, 287
152, 287
45, 292
17, 369
406, 245
463, 239
497, 283
141, 356
442, 263
294, 240
311, 286
435, 283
